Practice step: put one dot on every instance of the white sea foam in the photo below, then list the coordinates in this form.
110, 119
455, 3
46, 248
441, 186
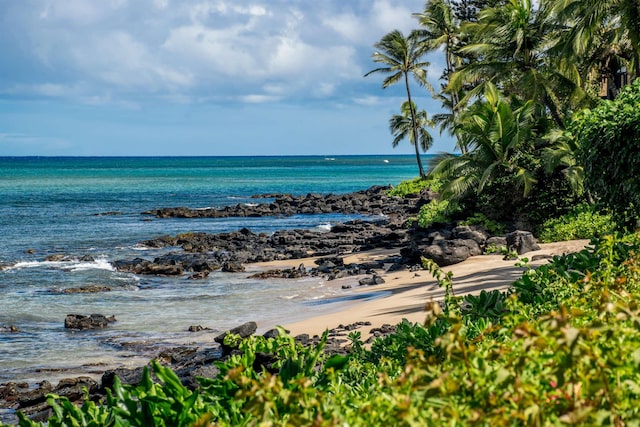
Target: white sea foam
138, 247
71, 265
99, 264
324, 227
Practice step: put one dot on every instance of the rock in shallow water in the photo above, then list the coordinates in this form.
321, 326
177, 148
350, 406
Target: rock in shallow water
93, 321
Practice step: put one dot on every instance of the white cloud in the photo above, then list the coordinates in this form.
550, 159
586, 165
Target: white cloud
368, 101
259, 99
206, 49
390, 15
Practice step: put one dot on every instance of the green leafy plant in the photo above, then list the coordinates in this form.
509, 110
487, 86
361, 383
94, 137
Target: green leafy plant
581, 223
493, 227
609, 140
436, 211
489, 305
415, 186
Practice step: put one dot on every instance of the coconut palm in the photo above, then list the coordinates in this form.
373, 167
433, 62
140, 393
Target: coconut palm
511, 44
497, 136
401, 127
562, 153
586, 18
440, 30
402, 57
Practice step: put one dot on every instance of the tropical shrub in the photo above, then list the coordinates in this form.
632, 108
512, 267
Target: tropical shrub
436, 211
415, 186
609, 140
581, 223
493, 227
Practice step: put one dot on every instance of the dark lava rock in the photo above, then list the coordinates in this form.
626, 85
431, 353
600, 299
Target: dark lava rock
85, 289
465, 232
199, 276
522, 242
273, 333
198, 328
448, 252
287, 273
127, 376
232, 267
245, 330
110, 213
370, 281
497, 242
81, 322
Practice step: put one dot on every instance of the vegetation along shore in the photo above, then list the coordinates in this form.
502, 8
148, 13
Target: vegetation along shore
544, 102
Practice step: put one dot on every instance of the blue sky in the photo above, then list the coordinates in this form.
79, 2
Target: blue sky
216, 77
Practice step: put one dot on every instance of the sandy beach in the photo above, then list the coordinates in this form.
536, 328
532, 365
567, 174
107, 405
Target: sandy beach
405, 293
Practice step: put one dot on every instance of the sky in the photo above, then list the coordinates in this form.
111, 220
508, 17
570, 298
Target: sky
201, 77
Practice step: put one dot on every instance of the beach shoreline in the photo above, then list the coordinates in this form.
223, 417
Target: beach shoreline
405, 293
363, 309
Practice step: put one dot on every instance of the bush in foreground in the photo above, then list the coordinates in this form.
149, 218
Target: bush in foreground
561, 347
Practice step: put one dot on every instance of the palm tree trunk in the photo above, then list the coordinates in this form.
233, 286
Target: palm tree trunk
414, 125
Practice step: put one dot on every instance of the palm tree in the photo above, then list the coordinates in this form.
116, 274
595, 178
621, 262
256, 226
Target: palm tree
512, 44
585, 18
562, 153
497, 136
441, 30
401, 127
401, 57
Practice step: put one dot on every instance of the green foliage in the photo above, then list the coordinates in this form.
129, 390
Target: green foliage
415, 186
581, 223
401, 126
436, 211
493, 227
609, 139
489, 305
496, 131
561, 347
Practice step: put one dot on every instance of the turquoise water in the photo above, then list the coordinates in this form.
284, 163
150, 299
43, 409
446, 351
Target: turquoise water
54, 205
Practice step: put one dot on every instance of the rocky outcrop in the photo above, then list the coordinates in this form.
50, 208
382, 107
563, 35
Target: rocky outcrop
93, 321
446, 246
522, 242
245, 330
82, 289
32, 402
203, 252
373, 201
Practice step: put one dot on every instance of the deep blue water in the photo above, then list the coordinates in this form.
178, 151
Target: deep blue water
53, 205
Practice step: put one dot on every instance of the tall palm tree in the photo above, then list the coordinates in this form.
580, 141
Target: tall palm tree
512, 45
401, 127
585, 18
497, 136
441, 30
403, 57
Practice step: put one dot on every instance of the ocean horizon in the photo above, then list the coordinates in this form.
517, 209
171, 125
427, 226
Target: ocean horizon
90, 211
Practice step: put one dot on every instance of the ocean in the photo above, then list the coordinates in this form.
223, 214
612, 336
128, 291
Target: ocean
89, 209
